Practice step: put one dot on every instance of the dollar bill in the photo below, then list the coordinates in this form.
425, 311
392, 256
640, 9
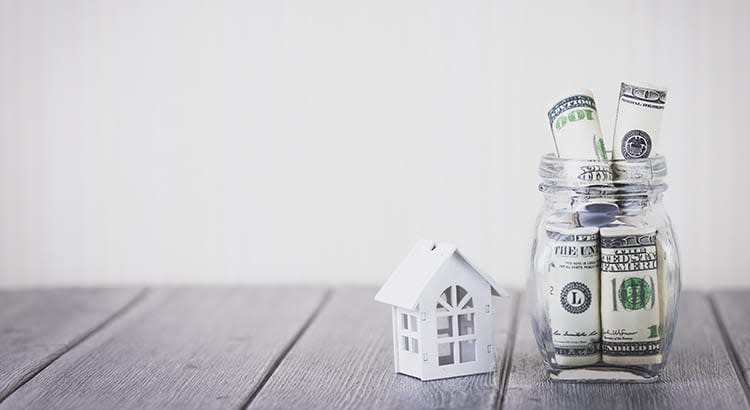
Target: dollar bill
630, 308
573, 280
575, 127
638, 121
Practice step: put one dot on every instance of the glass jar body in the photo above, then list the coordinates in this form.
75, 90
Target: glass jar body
605, 274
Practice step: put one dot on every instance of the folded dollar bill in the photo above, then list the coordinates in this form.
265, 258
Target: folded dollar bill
638, 122
575, 127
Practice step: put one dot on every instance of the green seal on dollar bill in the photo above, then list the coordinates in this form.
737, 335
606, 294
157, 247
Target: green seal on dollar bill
635, 293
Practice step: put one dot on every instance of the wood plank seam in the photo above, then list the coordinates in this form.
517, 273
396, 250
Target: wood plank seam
120, 312
508, 355
282, 355
733, 356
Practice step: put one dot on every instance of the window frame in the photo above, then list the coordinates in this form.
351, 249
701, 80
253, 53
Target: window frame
443, 309
408, 331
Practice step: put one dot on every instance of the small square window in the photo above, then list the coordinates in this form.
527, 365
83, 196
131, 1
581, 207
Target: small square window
413, 323
414, 345
467, 351
404, 321
445, 354
405, 343
466, 324
444, 326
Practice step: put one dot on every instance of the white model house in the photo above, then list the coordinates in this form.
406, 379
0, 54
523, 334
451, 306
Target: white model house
442, 313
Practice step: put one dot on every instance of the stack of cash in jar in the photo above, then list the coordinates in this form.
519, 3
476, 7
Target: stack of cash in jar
603, 271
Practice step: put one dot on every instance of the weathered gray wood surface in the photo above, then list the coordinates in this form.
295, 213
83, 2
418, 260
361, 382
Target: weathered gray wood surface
699, 374
733, 311
178, 348
345, 360
303, 348
37, 326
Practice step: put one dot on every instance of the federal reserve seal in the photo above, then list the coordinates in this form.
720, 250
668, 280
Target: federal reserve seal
575, 297
635, 293
636, 144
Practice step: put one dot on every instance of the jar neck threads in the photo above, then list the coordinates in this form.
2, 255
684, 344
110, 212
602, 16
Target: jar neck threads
594, 178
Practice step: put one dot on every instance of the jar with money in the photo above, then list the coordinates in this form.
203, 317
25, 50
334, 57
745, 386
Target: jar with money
605, 273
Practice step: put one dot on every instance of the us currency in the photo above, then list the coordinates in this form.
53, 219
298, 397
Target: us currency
638, 122
573, 280
630, 308
575, 127
593, 210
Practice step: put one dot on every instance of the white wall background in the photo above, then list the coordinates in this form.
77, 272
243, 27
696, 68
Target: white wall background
315, 141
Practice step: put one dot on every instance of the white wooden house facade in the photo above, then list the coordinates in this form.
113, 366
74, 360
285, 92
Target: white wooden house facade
442, 313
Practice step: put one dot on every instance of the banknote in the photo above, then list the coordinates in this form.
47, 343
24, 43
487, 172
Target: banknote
630, 300
638, 122
573, 294
575, 127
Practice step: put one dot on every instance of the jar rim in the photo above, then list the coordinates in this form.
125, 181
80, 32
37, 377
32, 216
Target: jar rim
646, 173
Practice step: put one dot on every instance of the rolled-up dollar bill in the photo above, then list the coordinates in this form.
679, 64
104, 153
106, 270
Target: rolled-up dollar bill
638, 122
575, 127
573, 280
630, 302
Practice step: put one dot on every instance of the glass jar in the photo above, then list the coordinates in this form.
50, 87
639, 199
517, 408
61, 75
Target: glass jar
605, 272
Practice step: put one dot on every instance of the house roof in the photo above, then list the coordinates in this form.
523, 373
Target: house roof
405, 285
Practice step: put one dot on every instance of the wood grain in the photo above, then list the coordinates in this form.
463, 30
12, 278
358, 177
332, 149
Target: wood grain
733, 310
39, 325
178, 348
699, 373
345, 360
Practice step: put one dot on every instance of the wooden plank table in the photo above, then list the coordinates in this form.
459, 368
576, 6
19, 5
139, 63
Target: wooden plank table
314, 348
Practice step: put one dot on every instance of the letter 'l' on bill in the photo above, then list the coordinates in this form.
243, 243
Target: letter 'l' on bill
575, 127
573, 280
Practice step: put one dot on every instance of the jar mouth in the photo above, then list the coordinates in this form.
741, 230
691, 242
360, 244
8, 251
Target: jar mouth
631, 174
